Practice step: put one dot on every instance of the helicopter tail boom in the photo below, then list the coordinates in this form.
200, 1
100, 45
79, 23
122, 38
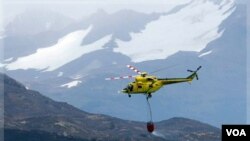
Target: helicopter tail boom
194, 74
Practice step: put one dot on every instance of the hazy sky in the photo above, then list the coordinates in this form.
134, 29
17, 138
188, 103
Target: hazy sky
80, 8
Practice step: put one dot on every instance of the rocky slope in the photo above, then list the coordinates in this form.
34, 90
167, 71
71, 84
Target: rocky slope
32, 116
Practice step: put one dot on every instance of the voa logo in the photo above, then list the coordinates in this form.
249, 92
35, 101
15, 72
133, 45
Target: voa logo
236, 132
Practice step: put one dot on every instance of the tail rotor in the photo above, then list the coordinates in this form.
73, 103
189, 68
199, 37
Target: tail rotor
195, 72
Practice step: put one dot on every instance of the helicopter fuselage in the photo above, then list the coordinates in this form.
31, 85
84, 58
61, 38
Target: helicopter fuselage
146, 84
149, 84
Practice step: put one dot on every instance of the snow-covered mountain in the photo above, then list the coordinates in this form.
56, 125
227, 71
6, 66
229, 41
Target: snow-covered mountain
201, 17
34, 21
64, 51
70, 64
190, 29
31, 30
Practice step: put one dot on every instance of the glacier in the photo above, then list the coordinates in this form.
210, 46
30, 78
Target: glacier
64, 51
189, 29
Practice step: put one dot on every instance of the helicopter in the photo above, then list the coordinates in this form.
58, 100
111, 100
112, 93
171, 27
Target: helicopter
148, 84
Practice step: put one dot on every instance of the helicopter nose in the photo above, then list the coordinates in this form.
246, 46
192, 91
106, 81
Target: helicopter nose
125, 90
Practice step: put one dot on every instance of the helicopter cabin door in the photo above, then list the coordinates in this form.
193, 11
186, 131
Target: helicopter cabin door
140, 87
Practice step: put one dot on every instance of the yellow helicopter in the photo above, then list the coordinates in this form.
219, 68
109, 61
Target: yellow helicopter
148, 84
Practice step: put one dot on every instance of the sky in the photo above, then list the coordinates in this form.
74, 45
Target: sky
78, 8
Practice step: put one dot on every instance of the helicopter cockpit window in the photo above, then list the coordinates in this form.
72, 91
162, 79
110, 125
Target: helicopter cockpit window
143, 74
130, 87
150, 79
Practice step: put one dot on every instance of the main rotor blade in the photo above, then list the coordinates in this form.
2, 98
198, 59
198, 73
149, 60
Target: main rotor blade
121, 77
163, 68
134, 69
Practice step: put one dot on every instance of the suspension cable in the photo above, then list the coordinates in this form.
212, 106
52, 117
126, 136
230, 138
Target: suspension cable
149, 109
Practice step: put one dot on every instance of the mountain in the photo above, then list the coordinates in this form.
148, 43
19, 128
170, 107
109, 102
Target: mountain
31, 116
42, 35
28, 23
31, 29
70, 64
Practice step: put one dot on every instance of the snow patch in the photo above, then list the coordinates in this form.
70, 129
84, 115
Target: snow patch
189, 29
48, 25
60, 123
9, 59
66, 50
78, 76
158, 134
2, 65
23, 122
60, 74
71, 84
206, 53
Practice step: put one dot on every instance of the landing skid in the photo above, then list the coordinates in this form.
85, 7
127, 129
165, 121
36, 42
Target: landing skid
149, 95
